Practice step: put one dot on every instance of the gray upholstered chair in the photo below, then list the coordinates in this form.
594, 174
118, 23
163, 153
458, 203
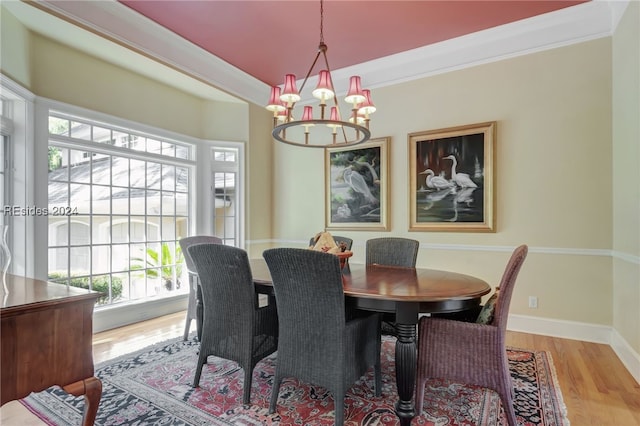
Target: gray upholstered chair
193, 312
337, 239
471, 353
391, 251
234, 327
316, 343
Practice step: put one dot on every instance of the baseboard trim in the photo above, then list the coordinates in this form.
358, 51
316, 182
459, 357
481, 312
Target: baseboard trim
629, 357
594, 333
129, 313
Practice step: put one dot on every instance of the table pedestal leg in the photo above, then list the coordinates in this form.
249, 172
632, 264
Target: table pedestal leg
406, 355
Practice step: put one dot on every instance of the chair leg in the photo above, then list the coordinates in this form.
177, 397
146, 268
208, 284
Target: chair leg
187, 325
275, 390
338, 398
420, 383
202, 358
377, 368
246, 390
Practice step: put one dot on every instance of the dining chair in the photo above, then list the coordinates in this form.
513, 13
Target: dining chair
391, 251
317, 344
194, 287
472, 353
337, 239
234, 326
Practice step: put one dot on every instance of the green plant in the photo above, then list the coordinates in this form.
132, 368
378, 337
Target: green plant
99, 283
161, 264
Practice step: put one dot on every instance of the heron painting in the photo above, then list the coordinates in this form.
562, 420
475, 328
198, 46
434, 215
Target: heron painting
451, 179
356, 180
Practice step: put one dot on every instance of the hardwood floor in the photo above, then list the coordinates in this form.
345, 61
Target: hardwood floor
597, 389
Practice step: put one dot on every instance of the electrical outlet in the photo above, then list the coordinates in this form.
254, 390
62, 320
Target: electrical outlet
533, 302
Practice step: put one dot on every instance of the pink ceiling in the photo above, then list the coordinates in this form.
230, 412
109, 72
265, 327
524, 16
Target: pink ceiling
268, 39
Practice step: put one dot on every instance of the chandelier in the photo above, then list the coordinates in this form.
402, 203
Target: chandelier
327, 125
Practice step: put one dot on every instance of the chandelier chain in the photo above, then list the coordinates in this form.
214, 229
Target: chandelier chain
321, 22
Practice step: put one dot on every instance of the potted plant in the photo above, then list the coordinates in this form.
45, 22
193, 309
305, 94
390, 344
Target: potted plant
162, 264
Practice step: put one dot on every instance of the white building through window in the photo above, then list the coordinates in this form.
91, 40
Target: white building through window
118, 203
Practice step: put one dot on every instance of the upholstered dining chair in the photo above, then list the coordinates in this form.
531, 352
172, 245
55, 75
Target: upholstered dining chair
192, 304
234, 327
472, 353
391, 251
337, 239
317, 344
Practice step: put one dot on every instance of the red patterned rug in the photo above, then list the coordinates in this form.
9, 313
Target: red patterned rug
153, 387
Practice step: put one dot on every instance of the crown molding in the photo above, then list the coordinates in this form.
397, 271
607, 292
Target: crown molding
118, 23
580, 23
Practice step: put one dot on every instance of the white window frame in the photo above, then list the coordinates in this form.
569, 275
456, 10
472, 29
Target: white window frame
126, 313
21, 179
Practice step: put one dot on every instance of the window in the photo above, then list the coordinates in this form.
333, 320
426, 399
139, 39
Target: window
118, 203
226, 217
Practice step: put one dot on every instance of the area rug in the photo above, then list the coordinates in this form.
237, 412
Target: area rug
153, 387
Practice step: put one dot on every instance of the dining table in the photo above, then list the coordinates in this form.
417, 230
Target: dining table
405, 292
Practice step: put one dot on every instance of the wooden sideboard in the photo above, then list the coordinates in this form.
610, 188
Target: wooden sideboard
47, 340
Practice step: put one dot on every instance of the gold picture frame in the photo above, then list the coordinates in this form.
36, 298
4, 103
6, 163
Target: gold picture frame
357, 186
451, 179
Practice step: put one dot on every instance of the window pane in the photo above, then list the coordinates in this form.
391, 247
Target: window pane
120, 200
101, 170
101, 199
102, 135
153, 203
168, 149
154, 146
100, 229
80, 131
168, 203
168, 178
80, 260
80, 199
138, 174
182, 152
182, 179
154, 175
58, 126
58, 160
120, 171
79, 166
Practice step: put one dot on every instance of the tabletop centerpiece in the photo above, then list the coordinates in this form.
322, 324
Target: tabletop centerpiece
323, 241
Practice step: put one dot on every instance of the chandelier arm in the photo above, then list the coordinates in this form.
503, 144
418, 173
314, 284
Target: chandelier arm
335, 98
310, 70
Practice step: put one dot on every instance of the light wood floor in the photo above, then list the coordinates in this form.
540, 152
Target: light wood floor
597, 389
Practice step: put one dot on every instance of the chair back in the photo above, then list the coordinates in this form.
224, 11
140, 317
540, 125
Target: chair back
392, 251
507, 283
337, 239
228, 292
310, 303
187, 242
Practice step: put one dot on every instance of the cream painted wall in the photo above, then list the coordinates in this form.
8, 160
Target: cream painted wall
225, 121
14, 45
553, 168
67, 75
626, 176
259, 181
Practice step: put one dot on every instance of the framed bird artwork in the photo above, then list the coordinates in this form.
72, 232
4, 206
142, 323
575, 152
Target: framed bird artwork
357, 186
451, 179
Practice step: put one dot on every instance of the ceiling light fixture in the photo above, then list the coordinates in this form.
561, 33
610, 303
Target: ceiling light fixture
287, 129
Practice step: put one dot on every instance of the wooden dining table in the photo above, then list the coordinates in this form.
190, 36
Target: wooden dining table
406, 292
